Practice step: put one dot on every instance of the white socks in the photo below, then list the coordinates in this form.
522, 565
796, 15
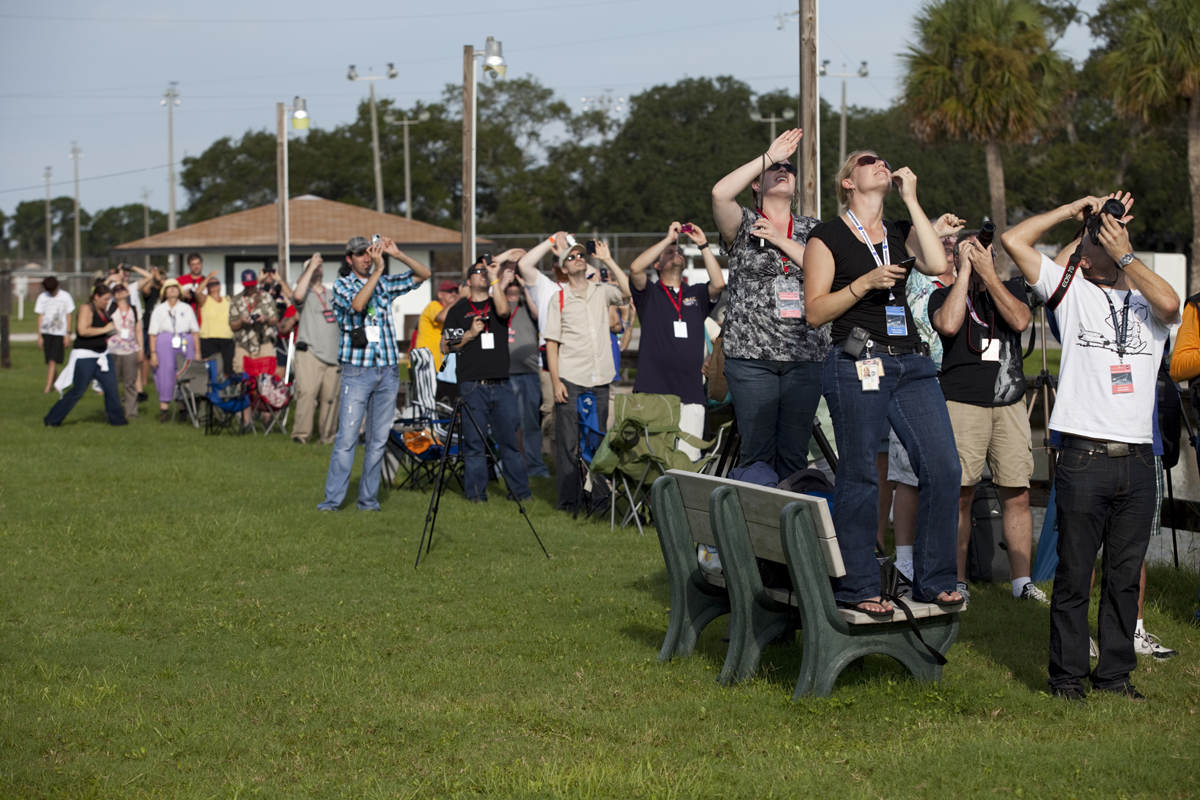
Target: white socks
904, 560
1141, 628
1018, 586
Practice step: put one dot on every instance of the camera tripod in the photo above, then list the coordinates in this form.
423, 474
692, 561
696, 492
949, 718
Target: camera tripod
1045, 385
439, 483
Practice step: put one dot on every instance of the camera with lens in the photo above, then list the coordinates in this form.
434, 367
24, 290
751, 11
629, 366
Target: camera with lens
454, 339
1113, 208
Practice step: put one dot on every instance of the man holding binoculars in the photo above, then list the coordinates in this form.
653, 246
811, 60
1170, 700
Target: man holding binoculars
1114, 325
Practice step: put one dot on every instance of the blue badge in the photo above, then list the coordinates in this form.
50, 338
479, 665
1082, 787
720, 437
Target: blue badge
897, 320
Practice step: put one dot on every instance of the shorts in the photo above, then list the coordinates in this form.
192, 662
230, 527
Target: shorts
899, 468
52, 346
998, 436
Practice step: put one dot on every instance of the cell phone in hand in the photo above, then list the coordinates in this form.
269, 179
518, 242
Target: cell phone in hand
686, 228
590, 246
604, 275
908, 263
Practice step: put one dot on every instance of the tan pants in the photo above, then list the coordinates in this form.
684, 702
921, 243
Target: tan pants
317, 385
547, 410
126, 368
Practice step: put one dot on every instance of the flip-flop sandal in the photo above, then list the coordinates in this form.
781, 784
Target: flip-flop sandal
944, 604
858, 606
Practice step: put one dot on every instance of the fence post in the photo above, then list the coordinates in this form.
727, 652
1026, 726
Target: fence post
5, 312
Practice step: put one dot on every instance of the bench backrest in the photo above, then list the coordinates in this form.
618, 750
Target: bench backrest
761, 507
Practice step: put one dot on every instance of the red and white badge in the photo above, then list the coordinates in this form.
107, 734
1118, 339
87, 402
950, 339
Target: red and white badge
1122, 378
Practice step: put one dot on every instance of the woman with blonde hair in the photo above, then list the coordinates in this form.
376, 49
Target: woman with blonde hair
879, 372
175, 332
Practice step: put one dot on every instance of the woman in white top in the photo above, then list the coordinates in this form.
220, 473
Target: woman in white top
175, 332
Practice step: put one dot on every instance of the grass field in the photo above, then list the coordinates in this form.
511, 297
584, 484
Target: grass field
177, 621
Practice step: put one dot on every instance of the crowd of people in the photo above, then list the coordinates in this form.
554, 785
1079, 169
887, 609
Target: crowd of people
904, 327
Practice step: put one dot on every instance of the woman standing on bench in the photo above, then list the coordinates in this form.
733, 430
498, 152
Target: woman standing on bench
879, 372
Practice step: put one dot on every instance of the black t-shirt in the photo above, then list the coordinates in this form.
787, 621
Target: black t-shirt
852, 260
965, 376
475, 363
666, 364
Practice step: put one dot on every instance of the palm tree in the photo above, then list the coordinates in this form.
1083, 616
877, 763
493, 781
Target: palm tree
983, 69
1153, 70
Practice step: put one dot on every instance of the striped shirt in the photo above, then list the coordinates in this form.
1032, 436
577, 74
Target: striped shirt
378, 314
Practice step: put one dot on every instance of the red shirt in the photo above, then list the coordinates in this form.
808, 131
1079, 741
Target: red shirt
197, 282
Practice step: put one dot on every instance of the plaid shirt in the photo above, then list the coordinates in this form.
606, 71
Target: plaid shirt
385, 352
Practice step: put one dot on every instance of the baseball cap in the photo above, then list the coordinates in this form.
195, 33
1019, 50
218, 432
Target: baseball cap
249, 278
357, 245
447, 286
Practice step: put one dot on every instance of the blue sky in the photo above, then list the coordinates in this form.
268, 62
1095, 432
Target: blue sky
93, 71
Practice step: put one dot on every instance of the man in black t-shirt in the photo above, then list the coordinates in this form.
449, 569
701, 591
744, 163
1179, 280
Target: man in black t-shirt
980, 320
476, 328
671, 349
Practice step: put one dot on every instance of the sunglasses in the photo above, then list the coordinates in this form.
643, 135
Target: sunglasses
572, 257
866, 161
783, 165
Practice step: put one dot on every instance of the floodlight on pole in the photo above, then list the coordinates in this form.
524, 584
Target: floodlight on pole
170, 99
825, 73
494, 65
353, 75
784, 116
391, 119
298, 111
300, 114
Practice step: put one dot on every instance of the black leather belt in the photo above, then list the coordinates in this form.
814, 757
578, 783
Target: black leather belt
892, 350
1110, 449
490, 381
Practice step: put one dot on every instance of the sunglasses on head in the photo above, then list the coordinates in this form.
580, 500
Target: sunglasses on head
866, 161
785, 166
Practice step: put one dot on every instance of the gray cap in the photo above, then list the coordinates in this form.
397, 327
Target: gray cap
357, 244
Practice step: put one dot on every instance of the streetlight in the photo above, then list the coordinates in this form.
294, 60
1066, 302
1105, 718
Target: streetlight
391, 120
824, 73
298, 111
494, 65
49, 227
784, 116
353, 75
170, 100
75, 155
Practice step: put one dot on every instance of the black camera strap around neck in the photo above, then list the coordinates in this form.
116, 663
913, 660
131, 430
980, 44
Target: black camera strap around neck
1069, 273
1122, 329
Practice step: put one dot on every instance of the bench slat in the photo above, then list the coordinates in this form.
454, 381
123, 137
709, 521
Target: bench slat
920, 611
698, 521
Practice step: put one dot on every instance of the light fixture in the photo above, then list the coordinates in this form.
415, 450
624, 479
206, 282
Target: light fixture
788, 113
299, 114
862, 71
352, 75
822, 71
493, 58
392, 71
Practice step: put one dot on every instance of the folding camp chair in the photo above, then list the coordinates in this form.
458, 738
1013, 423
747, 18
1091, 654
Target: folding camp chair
418, 436
590, 438
269, 396
191, 383
226, 398
642, 445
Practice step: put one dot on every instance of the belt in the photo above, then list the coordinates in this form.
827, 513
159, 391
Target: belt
892, 350
1110, 449
489, 381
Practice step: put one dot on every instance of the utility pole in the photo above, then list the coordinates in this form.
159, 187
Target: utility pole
49, 227
281, 186
810, 118
468, 150
77, 154
170, 100
354, 76
784, 116
391, 120
146, 222
862, 73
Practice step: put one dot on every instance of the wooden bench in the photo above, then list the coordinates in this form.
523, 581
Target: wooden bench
746, 522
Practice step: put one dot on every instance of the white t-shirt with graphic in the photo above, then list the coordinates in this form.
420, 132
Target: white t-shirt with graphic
55, 311
1100, 394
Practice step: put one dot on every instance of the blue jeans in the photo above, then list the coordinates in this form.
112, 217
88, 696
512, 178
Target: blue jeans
774, 402
370, 393
1100, 501
910, 400
86, 371
495, 405
528, 388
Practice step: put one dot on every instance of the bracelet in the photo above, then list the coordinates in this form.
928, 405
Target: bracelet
493, 283
703, 246
850, 286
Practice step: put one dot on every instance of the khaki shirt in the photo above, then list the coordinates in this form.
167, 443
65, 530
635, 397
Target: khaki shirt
581, 328
260, 333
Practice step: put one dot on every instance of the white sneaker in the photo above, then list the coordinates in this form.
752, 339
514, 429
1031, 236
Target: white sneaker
962, 589
1031, 592
1147, 644
1093, 650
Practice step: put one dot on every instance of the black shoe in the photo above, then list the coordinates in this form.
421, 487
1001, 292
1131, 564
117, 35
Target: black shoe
1072, 694
142, 397
1124, 690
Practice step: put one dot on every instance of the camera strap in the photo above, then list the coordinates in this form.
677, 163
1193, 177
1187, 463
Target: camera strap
1072, 267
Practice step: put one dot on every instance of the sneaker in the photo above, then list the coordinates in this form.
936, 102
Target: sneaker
1093, 650
1147, 644
962, 589
1031, 592
1124, 690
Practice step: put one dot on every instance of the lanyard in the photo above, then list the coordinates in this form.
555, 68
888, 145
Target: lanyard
481, 312
791, 223
126, 318
678, 304
321, 296
887, 258
974, 316
1124, 326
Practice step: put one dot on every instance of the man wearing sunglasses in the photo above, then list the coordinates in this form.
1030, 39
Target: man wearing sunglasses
370, 356
580, 359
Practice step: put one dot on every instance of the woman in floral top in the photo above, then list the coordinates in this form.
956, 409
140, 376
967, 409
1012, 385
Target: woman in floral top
772, 355
125, 347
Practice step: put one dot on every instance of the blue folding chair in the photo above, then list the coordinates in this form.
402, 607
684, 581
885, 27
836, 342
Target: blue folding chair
590, 437
226, 398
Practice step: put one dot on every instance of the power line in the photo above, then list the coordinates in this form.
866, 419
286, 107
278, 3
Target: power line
93, 178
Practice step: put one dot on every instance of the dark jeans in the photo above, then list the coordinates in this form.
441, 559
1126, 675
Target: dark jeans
222, 347
492, 404
1110, 502
528, 388
566, 453
910, 400
86, 371
774, 402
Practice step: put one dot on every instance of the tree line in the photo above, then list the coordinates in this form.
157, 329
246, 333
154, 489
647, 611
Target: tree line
991, 117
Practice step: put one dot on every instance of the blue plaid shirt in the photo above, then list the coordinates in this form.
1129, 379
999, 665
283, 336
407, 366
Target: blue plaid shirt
385, 352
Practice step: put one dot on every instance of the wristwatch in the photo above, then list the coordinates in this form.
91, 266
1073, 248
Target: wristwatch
1126, 260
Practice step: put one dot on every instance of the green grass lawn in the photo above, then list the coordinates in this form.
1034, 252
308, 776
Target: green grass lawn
177, 620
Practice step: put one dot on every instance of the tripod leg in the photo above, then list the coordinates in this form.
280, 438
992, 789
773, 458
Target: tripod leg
439, 486
1171, 517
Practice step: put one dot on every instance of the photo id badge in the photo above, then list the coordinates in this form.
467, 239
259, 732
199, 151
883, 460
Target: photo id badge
897, 320
373, 334
680, 329
512, 337
869, 371
991, 350
487, 341
177, 344
329, 317
787, 297
1122, 378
